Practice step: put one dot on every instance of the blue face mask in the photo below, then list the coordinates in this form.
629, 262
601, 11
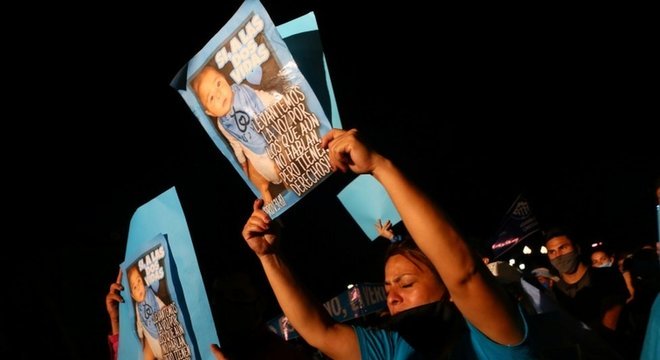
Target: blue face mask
605, 265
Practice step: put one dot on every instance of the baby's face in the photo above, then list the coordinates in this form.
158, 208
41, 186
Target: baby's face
137, 286
214, 92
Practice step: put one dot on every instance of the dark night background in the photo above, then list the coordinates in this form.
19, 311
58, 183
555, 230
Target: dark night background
477, 105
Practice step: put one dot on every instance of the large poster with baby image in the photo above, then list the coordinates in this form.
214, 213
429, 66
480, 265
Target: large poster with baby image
250, 96
165, 313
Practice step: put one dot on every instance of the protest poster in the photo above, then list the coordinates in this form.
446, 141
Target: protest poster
248, 93
162, 314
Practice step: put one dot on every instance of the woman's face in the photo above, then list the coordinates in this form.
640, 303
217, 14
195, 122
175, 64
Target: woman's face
410, 284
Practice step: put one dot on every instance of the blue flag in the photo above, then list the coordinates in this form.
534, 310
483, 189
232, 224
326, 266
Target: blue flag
518, 224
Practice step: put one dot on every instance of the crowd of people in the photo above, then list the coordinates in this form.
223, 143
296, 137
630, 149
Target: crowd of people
443, 302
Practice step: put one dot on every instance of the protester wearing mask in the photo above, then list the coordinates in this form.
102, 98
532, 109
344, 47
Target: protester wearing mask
544, 277
600, 258
595, 296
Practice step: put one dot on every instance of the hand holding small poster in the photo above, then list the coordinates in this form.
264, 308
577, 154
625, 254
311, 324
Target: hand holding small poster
166, 313
249, 95
157, 323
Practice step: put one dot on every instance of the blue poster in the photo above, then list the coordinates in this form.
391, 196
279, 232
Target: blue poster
301, 36
163, 316
248, 93
367, 201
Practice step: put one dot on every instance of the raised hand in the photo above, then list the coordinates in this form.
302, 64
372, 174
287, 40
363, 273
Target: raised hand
348, 152
217, 353
112, 300
259, 231
385, 230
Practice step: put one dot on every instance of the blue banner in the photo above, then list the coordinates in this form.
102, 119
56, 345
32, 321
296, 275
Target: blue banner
359, 300
518, 224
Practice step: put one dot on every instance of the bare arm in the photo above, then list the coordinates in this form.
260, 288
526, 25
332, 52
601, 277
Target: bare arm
112, 300
611, 317
628, 279
217, 352
310, 319
473, 289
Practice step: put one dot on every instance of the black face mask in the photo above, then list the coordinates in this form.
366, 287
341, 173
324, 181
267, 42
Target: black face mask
432, 329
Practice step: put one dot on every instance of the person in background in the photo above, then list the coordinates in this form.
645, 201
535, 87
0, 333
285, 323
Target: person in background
601, 258
421, 276
623, 264
595, 296
544, 277
385, 230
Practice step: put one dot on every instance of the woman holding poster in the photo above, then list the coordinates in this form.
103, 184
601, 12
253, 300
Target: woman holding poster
248, 93
480, 321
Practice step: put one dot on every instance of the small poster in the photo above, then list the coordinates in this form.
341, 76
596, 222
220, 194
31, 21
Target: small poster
166, 313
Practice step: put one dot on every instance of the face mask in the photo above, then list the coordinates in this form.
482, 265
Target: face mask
432, 329
605, 265
567, 263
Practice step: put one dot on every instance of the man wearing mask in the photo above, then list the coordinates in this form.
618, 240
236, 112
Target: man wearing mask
594, 296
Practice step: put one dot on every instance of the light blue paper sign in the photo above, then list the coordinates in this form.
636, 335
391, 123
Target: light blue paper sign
367, 201
160, 249
303, 32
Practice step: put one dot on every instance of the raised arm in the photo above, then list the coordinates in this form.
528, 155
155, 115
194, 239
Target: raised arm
472, 287
112, 300
309, 319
